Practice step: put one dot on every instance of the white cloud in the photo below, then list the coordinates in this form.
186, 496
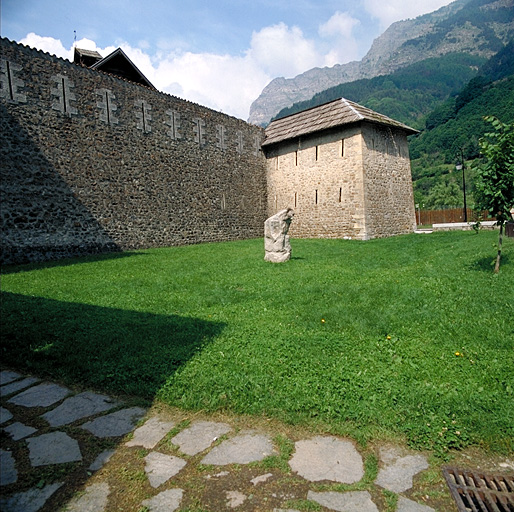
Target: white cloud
283, 51
389, 11
338, 32
47, 44
222, 82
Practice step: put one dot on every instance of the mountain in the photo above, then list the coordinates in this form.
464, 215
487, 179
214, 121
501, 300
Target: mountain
408, 94
475, 27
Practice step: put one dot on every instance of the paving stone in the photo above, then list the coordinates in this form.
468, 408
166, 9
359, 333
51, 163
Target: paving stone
44, 395
261, 479
160, 467
14, 387
18, 431
242, 449
355, 501
94, 499
149, 434
327, 458
399, 469
199, 436
7, 376
53, 448
115, 424
5, 415
101, 460
406, 505
8, 473
28, 501
166, 501
235, 498
78, 407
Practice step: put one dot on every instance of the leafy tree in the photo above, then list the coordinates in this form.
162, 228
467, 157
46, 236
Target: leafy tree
444, 194
495, 176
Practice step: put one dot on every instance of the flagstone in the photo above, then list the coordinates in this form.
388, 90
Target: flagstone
101, 460
242, 449
199, 436
43, 395
149, 434
18, 431
398, 471
14, 387
78, 407
327, 458
5, 415
354, 501
8, 473
53, 448
160, 467
406, 505
166, 501
28, 501
7, 376
94, 499
116, 423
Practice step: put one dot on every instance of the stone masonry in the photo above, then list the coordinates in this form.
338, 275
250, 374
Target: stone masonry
351, 182
93, 163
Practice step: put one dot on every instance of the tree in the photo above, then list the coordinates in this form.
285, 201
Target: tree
495, 176
444, 194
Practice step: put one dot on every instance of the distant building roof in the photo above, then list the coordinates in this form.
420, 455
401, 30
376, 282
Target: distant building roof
86, 57
329, 115
116, 63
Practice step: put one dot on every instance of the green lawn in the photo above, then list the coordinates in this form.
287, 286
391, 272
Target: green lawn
410, 336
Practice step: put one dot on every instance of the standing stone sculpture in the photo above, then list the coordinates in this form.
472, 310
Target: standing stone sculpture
276, 241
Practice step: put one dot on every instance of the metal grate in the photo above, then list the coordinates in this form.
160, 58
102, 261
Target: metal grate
476, 492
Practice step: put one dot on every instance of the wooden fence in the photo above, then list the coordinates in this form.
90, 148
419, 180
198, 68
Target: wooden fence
429, 217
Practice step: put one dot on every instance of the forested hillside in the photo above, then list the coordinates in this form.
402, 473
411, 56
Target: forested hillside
453, 129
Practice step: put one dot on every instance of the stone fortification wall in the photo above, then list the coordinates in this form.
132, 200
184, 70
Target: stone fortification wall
353, 182
389, 197
92, 163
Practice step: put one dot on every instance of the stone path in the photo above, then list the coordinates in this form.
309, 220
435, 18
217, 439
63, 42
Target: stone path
47, 429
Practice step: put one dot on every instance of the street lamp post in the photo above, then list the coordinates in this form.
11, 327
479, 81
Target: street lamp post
461, 167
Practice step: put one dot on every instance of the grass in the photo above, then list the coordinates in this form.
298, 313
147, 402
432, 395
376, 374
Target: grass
409, 337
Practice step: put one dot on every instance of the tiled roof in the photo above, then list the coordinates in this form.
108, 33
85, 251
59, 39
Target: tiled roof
330, 115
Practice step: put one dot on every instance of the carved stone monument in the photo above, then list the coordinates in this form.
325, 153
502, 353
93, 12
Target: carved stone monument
276, 241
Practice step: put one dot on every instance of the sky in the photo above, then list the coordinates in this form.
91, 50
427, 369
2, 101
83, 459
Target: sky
218, 53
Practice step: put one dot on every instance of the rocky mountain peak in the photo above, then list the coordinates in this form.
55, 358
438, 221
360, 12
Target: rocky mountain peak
477, 27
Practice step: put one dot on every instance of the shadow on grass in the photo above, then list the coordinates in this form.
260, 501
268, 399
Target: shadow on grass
487, 264
106, 349
66, 262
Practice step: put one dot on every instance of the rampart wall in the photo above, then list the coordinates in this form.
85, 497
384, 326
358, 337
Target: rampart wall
93, 163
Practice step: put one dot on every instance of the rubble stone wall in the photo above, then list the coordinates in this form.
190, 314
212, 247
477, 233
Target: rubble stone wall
92, 163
